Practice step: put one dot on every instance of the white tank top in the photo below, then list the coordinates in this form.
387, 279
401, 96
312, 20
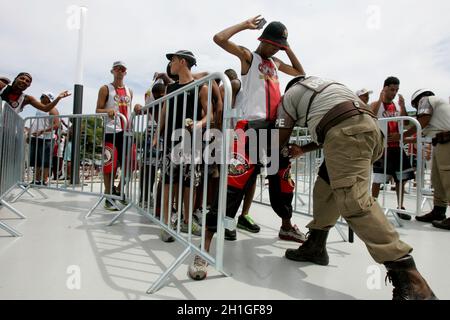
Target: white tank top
113, 102
40, 124
261, 90
383, 114
16, 106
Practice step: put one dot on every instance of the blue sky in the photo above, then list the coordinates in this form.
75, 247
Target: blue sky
358, 43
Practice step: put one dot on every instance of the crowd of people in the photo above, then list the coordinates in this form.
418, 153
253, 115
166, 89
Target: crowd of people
340, 121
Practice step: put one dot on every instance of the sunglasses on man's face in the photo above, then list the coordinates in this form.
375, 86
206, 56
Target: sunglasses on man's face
121, 69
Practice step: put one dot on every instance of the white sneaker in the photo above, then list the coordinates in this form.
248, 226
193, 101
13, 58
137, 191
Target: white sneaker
294, 234
166, 237
198, 269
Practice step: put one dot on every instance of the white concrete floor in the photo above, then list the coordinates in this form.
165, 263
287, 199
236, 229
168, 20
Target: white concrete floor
59, 247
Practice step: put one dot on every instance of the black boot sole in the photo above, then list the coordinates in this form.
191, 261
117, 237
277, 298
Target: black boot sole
437, 224
295, 256
430, 220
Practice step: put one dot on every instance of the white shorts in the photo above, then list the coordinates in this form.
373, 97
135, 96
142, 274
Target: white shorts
381, 178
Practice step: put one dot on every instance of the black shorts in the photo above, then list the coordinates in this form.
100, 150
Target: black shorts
118, 144
393, 166
40, 153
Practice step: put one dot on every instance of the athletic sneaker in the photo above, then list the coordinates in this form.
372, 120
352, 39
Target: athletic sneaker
403, 216
246, 223
198, 216
230, 235
198, 269
196, 229
117, 193
294, 234
109, 205
166, 237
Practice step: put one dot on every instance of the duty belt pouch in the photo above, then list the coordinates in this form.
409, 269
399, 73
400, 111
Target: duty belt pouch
441, 138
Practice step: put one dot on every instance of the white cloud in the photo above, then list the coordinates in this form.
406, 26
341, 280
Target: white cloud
331, 38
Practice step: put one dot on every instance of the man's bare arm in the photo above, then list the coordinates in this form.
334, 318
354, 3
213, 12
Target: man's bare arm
45, 107
222, 39
101, 102
217, 106
295, 69
203, 95
375, 106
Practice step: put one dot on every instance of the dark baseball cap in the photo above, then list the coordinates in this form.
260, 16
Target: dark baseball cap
275, 33
188, 55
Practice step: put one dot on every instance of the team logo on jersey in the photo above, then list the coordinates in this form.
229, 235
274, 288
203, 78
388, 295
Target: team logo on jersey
14, 104
122, 100
268, 70
391, 114
238, 166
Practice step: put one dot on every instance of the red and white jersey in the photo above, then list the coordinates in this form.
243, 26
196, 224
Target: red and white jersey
120, 100
15, 101
389, 111
261, 90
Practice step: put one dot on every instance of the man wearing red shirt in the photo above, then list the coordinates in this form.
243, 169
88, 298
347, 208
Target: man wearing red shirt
386, 107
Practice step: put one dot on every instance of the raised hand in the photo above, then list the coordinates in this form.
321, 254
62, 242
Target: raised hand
382, 95
64, 94
253, 23
401, 101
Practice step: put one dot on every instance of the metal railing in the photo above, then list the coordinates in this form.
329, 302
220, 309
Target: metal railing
46, 133
163, 182
33, 158
11, 137
414, 192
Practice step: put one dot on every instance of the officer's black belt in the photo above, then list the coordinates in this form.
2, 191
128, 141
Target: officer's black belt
441, 138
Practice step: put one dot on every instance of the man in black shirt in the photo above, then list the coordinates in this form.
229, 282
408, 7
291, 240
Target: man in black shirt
176, 115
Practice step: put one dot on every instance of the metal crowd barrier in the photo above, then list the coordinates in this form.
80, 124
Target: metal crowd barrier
11, 137
415, 192
156, 179
427, 156
47, 133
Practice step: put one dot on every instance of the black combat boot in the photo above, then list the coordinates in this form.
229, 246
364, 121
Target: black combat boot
437, 214
313, 250
444, 224
407, 281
